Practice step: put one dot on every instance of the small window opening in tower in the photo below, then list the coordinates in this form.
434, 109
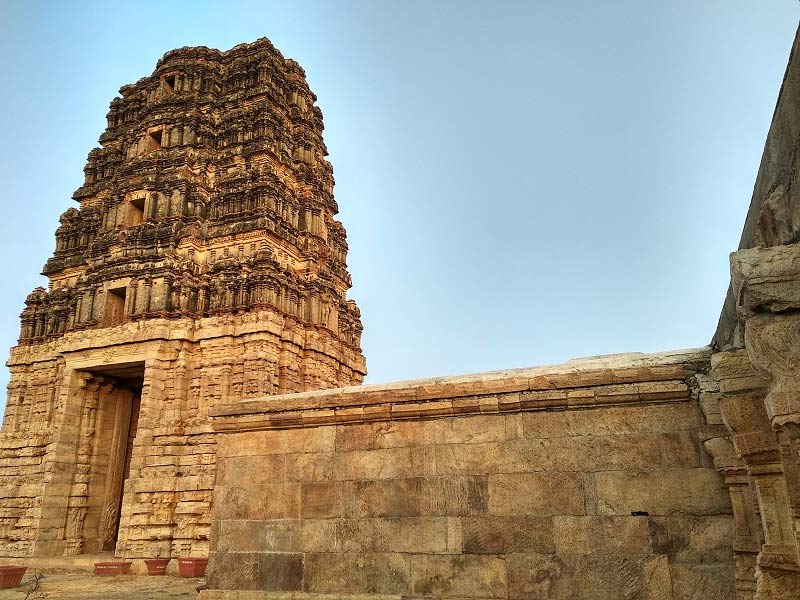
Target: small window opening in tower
168, 82
115, 306
135, 211
154, 139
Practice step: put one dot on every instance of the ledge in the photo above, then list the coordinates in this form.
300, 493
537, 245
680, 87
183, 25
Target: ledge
597, 381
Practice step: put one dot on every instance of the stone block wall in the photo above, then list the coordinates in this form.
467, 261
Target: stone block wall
587, 480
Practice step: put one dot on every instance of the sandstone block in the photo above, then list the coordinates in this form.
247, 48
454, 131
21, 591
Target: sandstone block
268, 468
701, 492
244, 536
317, 535
420, 535
626, 452
693, 539
321, 500
702, 582
363, 573
420, 496
466, 575
653, 418
393, 434
504, 535
317, 466
279, 441
255, 502
587, 577
278, 535
467, 430
539, 576
255, 571
511, 456
536, 494
601, 535
384, 463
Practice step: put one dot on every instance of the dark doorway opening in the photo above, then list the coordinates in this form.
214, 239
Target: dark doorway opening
119, 399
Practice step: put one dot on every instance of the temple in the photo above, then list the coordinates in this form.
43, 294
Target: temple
202, 264
189, 386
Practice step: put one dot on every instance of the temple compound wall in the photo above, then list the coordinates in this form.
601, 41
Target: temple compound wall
584, 480
202, 265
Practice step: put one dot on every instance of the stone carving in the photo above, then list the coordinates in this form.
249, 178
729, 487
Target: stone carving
255, 174
205, 227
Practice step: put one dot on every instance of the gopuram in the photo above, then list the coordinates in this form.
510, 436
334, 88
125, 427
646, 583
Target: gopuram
183, 389
202, 264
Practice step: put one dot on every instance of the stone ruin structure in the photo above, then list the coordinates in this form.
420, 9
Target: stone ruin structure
202, 264
672, 476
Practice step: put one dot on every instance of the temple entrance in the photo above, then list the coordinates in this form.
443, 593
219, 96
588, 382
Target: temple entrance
108, 427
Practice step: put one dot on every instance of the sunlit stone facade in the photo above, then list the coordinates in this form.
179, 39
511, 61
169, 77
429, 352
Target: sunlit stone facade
202, 263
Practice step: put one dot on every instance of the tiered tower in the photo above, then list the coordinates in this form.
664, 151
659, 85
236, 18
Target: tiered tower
204, 264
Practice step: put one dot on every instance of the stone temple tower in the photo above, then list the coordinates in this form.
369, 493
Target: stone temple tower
203, 264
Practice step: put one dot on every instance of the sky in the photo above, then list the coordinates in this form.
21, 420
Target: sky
521, 182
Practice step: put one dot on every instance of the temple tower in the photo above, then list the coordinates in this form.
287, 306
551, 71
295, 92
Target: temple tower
203, 264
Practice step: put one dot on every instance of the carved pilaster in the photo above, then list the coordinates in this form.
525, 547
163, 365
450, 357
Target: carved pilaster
766, 285
750, 441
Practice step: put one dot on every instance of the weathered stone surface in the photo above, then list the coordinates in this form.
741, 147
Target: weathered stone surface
702, 582
504, 535
383, 463
467, 575
767, 279
447, 508
602, 535
255, 571
536, 494
692, 540
284, 441
512, 456
586, 577
362, 573
321, 500
659, 418
203, 264
629, 452
410, 535
702, 492
440, 496
255, 469
534, 576
255, 502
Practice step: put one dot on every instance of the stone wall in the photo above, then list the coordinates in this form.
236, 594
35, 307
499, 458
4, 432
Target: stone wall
586, 480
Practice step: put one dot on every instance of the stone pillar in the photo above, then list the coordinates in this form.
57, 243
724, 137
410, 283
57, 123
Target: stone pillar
89, 389
747, 441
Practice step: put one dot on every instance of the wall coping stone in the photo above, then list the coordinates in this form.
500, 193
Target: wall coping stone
579, 383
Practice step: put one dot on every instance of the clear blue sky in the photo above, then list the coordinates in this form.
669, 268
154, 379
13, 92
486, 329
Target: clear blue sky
521, 182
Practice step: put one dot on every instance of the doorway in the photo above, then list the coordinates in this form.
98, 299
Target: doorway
108, 430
